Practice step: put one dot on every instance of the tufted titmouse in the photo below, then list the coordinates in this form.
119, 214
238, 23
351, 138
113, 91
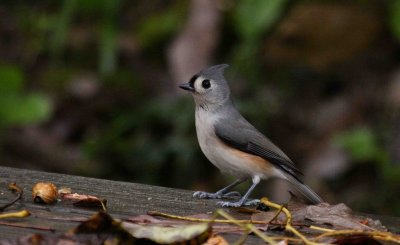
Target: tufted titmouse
232, 144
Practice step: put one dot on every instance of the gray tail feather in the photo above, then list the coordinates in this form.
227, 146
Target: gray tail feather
305, 190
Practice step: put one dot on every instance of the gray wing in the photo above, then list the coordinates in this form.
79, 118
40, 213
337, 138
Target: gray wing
241, 135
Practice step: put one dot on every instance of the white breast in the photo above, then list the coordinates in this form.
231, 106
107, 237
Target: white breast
227, 159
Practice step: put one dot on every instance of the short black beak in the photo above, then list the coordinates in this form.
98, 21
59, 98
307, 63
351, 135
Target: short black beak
187, 86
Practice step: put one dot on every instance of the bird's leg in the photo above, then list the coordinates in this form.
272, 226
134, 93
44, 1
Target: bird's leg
243, 200
224, 192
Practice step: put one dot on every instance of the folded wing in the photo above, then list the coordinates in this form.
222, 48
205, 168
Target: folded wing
243, 136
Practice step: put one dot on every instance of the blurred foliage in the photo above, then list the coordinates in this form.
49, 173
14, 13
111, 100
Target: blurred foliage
17, 107
263, 14
103, 64
364, 148
155, 138
394, 17
362, 145
61, 27
157, 28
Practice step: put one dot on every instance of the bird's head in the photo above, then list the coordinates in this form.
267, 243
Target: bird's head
209, 87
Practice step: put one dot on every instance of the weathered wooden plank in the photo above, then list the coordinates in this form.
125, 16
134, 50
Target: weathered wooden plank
124, 200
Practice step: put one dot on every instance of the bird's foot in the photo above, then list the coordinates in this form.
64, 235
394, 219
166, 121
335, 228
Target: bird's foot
230, 204
252, 202
217, 195
239, 203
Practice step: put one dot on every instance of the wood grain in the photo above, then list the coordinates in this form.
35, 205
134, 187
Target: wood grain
123, 200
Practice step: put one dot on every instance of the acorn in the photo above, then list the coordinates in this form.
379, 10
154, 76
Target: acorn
44, 193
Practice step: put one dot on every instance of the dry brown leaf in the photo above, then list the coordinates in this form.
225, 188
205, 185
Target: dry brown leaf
283, 242
340, 217
216, 240
15, 189
169, 235
64, 190
101, 228
267, 216
82, 200
356, 239
216, 227
148, 219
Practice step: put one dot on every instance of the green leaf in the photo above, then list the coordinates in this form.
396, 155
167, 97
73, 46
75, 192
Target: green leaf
360, 143
394, 17
17, 110
159, 26
11, 79
108, 49
61, 26
254, 17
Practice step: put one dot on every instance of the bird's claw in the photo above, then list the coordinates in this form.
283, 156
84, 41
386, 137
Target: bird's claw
202, 194
253, 202
207, 195
229, 204
237, 204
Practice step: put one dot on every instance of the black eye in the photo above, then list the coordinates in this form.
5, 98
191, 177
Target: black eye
206, 84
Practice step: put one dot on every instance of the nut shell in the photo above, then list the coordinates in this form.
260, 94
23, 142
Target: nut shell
44, 192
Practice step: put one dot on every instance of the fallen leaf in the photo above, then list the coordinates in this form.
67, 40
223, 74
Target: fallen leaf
336, 216
15, 189
99, 229
148, 219
64, 190
246, 210
356, 239
19, 214
216, 240
268, 216
82, 200
216, 227
340, 217
198, 233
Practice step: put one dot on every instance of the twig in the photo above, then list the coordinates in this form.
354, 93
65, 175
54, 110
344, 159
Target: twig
313, 227
386, 236
288, 225
247, 226
42, 228
14, 188
242, 239
171, 216
379, 235
276, 215
292, 239
20, 214
103, 206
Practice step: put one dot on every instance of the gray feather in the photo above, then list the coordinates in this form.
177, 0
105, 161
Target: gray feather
240, 134
305, 190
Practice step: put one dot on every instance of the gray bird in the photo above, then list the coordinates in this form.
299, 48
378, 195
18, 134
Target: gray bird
232, 144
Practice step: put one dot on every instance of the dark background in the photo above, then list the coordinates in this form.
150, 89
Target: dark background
90, 88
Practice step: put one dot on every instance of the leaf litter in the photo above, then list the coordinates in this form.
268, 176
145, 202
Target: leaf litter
293, 223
